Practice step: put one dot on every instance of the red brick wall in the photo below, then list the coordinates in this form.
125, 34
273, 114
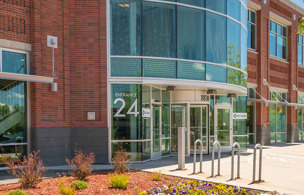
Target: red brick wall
80, 60
278, 73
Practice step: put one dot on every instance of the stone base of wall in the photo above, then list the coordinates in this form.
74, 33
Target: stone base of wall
292, 133
263, 135
57, 144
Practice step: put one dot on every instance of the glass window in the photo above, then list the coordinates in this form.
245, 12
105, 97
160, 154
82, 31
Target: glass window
219, 6
215, 49
199, 3
125, 27
234, 9
14, 62
234, 44
13, 112
125, 67
191, 33
251, 27
301, 50
159, 30
278, 40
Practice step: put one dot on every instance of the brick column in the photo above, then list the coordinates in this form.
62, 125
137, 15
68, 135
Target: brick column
292, 114
262, 112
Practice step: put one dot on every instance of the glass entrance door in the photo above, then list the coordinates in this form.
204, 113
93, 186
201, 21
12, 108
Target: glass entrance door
177, 120
223, 127
198, 126
156, 126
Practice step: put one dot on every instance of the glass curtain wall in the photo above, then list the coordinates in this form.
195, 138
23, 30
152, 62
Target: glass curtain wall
301, 118
278, 115
13, 117
180, 39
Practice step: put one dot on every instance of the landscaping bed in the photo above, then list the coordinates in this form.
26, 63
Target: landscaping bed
139, 183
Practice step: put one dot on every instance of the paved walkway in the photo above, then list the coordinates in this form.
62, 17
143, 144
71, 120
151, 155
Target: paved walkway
283, 169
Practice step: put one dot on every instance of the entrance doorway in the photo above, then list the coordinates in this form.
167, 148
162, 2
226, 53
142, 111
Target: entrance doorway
156, 132
223, 127
199, 126
178, 120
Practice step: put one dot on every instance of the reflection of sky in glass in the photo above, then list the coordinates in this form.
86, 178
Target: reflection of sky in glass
13, 96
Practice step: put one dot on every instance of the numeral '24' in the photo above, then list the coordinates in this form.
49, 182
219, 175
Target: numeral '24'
134, 106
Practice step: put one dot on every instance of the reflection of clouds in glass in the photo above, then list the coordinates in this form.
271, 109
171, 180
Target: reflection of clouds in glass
8, 96
18, 95
2, 104
199, 66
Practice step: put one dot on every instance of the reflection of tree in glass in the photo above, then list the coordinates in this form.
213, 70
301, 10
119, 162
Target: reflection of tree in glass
234, 59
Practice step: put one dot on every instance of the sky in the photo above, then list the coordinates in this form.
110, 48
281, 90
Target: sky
299, 2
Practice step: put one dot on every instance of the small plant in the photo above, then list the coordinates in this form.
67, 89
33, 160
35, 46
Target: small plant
17, 192
156, 176
119, 181
79, 185
119, 161
65, 189
29, 171
81, 165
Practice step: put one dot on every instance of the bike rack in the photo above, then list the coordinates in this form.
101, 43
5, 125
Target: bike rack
201, 155
260, 163
218, 144
232, 161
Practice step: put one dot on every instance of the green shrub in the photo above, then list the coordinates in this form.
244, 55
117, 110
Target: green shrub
156, 176
79, 185
119, 181
66, 190
17, 192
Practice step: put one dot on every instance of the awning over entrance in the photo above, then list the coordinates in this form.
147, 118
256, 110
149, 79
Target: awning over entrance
267, 102
5, 78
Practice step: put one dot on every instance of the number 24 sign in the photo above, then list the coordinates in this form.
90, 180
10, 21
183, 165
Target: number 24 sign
123, 105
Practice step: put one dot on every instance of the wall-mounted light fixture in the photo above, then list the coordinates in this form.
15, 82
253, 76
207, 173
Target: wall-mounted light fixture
53, 43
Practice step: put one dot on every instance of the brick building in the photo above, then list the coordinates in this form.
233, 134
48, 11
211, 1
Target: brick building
129, 73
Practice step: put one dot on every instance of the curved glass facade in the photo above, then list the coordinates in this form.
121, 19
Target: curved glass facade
182, 39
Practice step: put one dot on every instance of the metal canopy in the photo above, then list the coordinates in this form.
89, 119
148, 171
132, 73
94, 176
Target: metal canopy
24, 77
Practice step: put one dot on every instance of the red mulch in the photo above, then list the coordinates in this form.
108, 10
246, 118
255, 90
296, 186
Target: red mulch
97, 184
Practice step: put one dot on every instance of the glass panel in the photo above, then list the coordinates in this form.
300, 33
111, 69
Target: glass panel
14, 153
14, 62
126, 126
273, 26
272, 112
236, 77
191, 70
165, 147
13, 112
223, 126
252, 17
300, 39
215, 50
240, 106
156, 128
125, 67
159, 68
251, 122
234, 44
156, 94
195, 125
178, 120
300, 55
125, 27
199, 3
279, 29
211, 115
242, 141
243, 15
243, 51
280, 47
273, 44
223, 100
191, 33
216, 73
300, 122
159, 27
166, 120
234, 9
281, 118
219, 6
138, 151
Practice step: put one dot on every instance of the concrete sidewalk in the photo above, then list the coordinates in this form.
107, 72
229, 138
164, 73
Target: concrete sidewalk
283, 169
